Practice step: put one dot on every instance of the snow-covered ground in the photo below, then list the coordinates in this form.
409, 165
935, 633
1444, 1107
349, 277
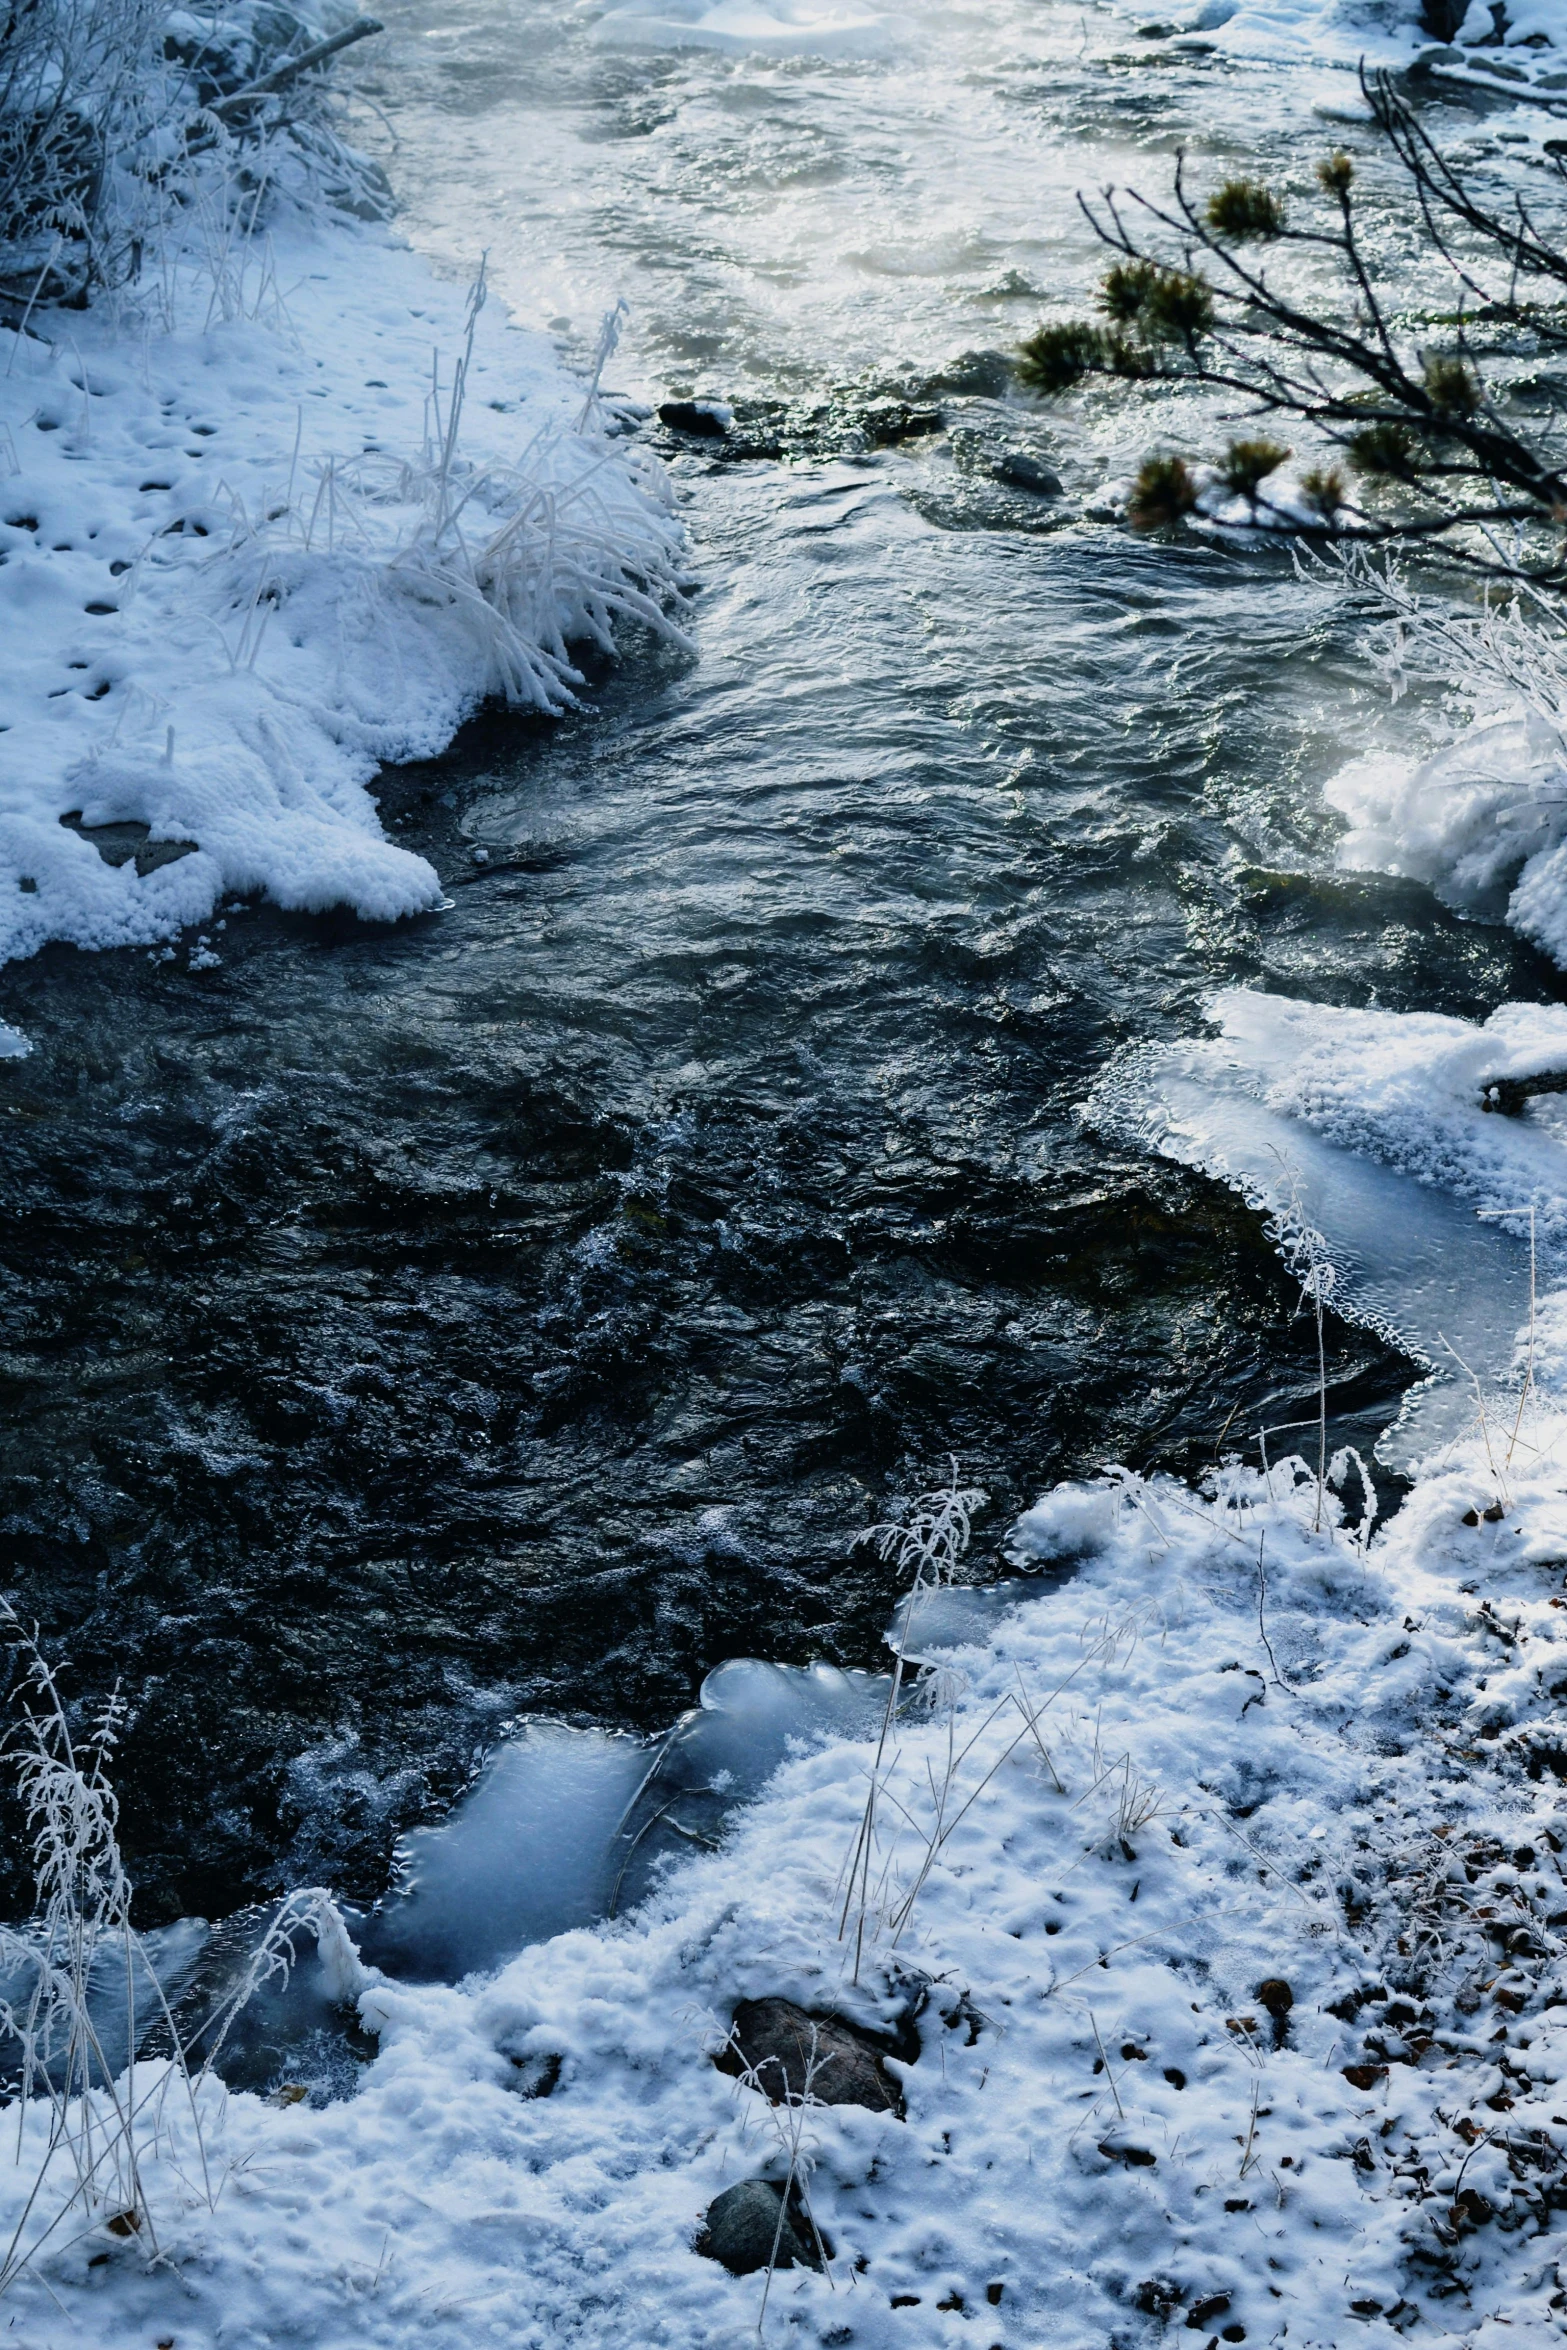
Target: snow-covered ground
1525, 50
1336, 1756
1482, 817
265, 525
1231, 1739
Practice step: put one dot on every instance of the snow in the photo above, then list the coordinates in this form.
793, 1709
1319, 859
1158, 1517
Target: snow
1333, 33
239, 571
1366, 1135
1339, 35
1480, 821
1337, 1749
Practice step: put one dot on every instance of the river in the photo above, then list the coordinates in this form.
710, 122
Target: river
523, 1310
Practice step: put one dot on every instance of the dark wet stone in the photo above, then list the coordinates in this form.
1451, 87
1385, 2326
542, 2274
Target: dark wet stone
121, 844
983, 375
841, 422
886, 422
742, 2228
686, 416
1020, 471
779, 2042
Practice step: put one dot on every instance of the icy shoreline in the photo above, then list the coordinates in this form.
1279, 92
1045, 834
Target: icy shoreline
1220, 1881
1262, 1751
262, 534
1220, 1877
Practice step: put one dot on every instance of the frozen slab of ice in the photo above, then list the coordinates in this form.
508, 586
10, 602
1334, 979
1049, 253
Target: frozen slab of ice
523, 1856
567, 1826
161, 1962
796, 28
1366, 1136
960, 1615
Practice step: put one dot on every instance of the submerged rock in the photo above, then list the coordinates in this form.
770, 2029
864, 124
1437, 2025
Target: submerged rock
845, 422
984, 374
782, 2044
742, 2228
1020, 471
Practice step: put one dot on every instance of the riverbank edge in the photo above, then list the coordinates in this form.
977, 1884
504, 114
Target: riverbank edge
1214, 1930
265, 527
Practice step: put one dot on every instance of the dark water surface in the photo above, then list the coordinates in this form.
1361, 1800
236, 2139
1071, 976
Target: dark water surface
524, 1308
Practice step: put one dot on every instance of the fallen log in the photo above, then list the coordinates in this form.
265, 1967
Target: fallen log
1508, 1094
281, 75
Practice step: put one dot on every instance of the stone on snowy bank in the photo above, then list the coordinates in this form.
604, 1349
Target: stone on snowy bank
121, 844
1508, 1096
742, 2227
1277, 1997
773, 2039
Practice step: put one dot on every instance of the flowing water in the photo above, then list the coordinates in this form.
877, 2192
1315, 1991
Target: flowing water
520, 1312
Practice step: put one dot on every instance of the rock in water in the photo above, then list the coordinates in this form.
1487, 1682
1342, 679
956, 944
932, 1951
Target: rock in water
773, 2038
742, 2225
1020, 471
705, 418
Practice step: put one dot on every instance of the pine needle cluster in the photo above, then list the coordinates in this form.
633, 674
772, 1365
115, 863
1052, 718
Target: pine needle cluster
1461, 471
1243, 209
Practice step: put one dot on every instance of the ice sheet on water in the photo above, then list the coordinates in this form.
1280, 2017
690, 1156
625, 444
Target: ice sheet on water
813, 28
567, 1826
1369, 1130
524, 1856
957, 1616
157, 1969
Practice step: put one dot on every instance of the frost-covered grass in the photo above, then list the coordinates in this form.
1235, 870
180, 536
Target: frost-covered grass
297, 522
79, 1989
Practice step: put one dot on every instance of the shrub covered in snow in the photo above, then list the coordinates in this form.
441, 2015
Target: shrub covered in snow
121, 121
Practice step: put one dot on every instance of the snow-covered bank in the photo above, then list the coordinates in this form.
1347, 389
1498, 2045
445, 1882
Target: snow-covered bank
1222, 1879
261, 531
1264, 1753
1516, 47
1479, 818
